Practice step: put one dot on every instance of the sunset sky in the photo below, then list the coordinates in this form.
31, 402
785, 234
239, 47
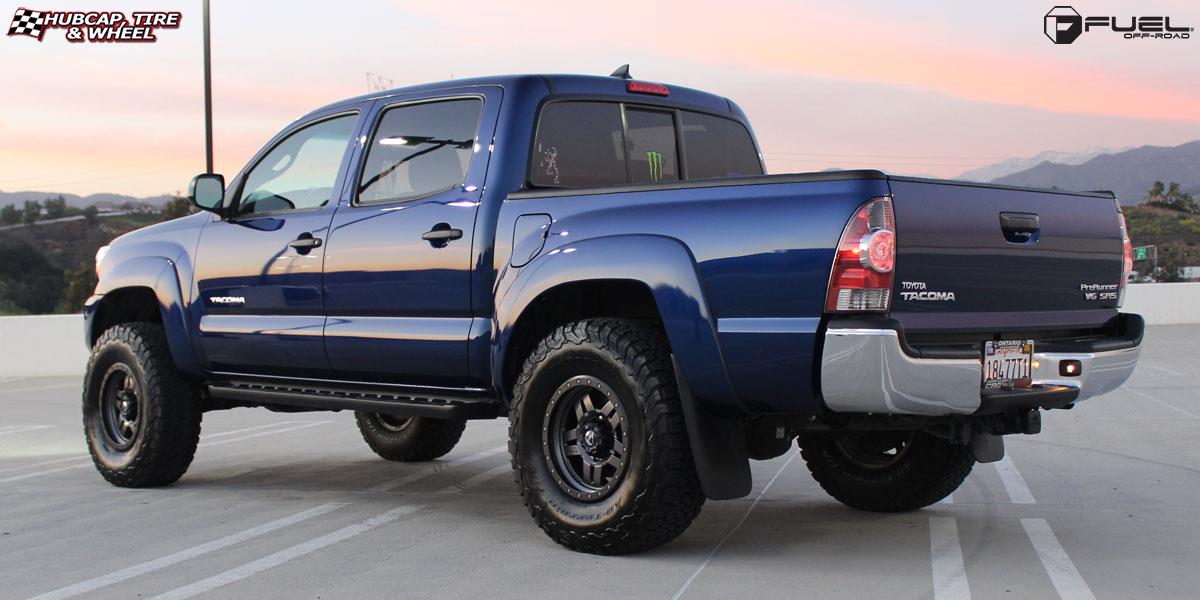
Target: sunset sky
930, 88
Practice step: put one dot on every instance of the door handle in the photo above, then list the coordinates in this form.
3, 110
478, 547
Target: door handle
441, 234
1020, 228
305, 243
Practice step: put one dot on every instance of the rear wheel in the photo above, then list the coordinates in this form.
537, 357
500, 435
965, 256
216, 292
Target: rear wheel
409, 439
886, 471
598, 442
141, 416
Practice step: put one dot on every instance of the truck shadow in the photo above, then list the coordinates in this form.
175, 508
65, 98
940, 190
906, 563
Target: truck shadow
796, 519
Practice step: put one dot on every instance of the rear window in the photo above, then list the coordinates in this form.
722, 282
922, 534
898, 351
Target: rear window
717, 147
579, 144
594, 144
652, 153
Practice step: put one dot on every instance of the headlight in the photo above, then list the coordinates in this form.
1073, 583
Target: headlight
100, 256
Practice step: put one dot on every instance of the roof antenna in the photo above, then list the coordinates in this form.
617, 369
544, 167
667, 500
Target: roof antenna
622, 72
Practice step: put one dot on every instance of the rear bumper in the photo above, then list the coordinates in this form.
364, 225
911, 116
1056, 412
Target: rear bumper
871, 370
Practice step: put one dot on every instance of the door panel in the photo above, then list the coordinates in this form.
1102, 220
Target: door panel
260, 307
399, 304
263, 310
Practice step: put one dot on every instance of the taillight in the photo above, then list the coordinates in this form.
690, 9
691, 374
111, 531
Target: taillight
861, 280
1127, 253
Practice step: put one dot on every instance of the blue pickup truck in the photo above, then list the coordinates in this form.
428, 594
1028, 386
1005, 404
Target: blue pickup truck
604, 262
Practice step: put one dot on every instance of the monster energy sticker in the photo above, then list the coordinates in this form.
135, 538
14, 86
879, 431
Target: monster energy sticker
656, 164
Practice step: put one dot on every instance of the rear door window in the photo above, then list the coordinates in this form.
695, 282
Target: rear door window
420, 149
716, 147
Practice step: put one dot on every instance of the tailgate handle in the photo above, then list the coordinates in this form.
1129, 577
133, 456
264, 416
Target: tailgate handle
1020, 228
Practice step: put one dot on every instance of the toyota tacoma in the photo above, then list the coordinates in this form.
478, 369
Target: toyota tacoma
604, 261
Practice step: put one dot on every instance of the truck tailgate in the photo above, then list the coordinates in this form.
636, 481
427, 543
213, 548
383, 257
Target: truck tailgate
978, 258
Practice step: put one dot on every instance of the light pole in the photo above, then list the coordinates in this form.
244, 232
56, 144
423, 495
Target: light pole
208, 138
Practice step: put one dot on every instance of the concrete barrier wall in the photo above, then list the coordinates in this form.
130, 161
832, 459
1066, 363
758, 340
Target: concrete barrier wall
42, 345
53, 344
1164, 303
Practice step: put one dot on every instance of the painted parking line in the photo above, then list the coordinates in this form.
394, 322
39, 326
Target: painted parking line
78, 465
1170, 406
707, 559
42, 388
1063, 574
203, 444
57, 461
209, 436
945, 553
22, 428
388, 486
1014, 483
285, 555
264, 433
138, 570
477, 480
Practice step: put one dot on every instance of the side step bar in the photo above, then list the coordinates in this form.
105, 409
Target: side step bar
400, 402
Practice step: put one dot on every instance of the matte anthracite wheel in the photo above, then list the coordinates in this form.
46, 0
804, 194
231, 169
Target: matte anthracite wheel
886, 471
409, 439
597, 437
141, 416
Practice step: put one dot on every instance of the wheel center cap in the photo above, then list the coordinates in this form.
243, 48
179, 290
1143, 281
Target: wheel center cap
589, 437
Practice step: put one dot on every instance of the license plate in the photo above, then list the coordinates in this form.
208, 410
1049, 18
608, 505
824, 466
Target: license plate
1007, 364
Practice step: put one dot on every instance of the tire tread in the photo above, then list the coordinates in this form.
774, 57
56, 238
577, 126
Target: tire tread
171, 430
672, 497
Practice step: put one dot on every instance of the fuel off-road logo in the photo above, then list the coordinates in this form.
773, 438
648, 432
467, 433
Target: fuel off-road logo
1064, 25
104, 26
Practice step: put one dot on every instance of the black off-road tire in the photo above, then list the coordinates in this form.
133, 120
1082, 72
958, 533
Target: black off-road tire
929, 469
659, 493
167, 405
411, 439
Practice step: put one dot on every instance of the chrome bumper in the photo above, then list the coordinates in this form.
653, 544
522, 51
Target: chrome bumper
867, 371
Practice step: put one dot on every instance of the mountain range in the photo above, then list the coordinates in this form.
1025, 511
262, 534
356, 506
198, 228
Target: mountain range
77, 201
1128, 173
1009, 166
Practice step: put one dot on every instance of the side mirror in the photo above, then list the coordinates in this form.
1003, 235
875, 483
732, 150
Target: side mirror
207, 192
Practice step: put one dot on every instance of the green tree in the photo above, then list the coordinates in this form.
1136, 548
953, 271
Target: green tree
1156, 192
1171, 198
10, 215
56, 208
32, 212
91, 214
80, 285
177, 206
33, 284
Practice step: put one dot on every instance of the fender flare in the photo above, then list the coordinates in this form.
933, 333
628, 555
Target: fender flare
159, 275
665, 266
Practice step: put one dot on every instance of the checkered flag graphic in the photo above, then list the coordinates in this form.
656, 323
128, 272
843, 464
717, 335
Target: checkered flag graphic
28, 22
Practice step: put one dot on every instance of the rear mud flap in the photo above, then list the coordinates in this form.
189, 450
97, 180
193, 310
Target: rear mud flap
718, 448
987, 447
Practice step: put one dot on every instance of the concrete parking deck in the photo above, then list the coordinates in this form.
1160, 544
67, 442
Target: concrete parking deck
1104, 503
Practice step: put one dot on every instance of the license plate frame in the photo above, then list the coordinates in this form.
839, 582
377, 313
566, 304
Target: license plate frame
1007, 365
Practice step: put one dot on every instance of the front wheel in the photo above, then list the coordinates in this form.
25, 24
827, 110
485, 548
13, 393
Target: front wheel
141, 416
598, 442
886, 471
